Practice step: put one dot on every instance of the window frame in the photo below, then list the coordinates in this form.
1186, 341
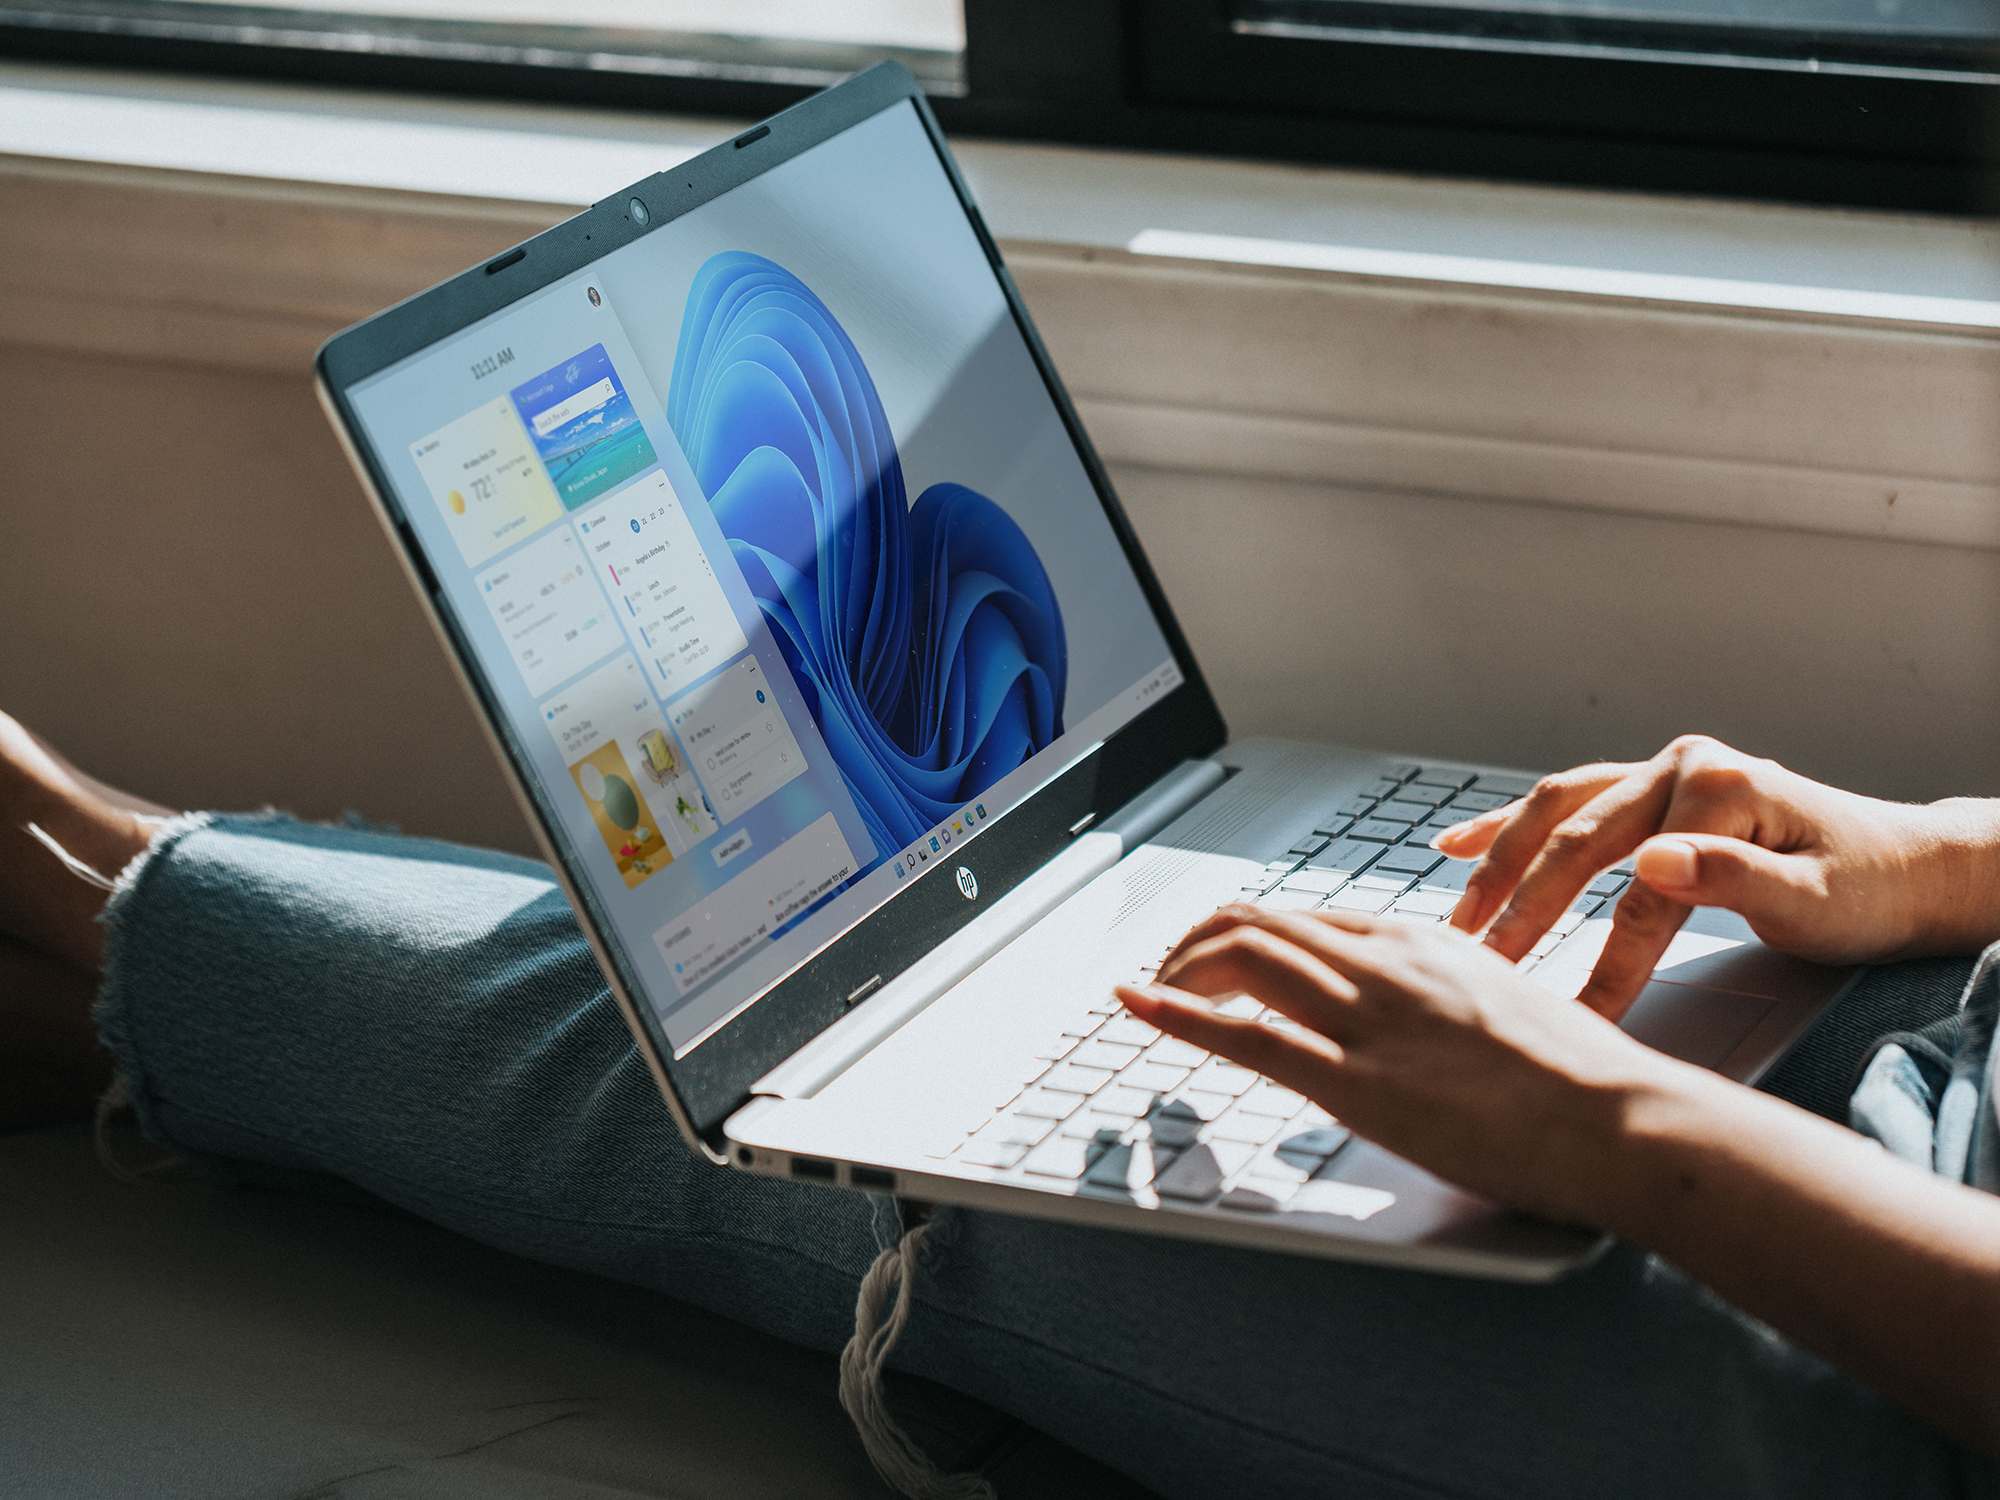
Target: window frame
1173, 75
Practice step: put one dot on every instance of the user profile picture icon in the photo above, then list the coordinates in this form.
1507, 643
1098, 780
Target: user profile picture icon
595, 300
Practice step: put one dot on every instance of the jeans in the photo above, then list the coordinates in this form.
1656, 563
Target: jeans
426, 1021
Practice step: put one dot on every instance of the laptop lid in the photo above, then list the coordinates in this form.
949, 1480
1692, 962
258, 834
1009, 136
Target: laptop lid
770, 549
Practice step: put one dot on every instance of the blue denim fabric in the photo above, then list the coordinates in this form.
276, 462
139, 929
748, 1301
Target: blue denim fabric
426, 1021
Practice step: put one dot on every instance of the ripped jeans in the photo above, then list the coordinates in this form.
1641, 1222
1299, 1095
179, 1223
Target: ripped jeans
426, 1021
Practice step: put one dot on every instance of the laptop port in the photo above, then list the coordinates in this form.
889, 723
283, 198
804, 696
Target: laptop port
812, 1166
873, 1177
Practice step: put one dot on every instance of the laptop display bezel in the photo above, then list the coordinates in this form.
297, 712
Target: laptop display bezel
713, 1079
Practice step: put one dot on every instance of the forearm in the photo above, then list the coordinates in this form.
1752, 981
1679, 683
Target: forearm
1963, 897
1884, 1269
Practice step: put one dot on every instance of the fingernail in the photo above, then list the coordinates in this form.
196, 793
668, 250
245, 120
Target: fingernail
1672, 864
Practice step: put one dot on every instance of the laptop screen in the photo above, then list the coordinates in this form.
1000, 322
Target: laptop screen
776, 556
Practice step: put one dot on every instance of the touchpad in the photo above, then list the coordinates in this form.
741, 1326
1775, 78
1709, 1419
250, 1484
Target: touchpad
1695, 1024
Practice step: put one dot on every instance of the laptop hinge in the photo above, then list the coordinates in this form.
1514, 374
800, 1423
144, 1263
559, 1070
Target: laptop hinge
1164, 801
855, 1034
892, 1005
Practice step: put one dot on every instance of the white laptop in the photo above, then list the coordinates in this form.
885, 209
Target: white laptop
858, 730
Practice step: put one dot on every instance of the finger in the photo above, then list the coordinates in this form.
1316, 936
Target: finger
1473, 837
1760, 884
1522, 841
1296, 926
1217, 922
1273, 967
1300, 1061
1642, 926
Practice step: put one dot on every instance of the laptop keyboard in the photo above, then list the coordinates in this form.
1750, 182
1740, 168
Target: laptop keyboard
1120, 1108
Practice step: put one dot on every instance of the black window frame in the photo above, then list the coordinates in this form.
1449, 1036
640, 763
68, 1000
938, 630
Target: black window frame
1176, 75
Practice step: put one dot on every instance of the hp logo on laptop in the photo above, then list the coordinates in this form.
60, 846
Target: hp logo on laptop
968, 884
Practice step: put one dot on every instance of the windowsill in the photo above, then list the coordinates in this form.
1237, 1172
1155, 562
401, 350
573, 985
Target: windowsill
1819, 369
1101, 199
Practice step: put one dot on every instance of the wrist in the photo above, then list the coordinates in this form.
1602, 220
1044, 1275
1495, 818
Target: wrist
1647, 1164
1961, 882
1599, 1141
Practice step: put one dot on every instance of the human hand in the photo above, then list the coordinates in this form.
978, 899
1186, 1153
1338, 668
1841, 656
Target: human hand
1821, 873
1422, 1040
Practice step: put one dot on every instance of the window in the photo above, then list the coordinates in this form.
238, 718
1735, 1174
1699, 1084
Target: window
1885, 103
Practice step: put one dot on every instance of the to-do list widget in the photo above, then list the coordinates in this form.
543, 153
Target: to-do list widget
646, 555
550, 610
483, 473
742, 747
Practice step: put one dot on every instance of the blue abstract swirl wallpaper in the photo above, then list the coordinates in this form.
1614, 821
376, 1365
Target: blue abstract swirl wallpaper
926, 638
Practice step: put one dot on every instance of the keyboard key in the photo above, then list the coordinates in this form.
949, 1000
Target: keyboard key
1068, 1078
1272, 1099
1049, 1104
1156, 1077
1098, 1053
1284, 898
1545, 945
1176, 1053
1506, 786
1401, 812
1194, 1176
1423, 801
1610, 883
1388, 786
1118, 1100
1426, 903
1453, 778
1378, 831
1333, 828
1251, 1130
1219, 1076
1356, 898
1404, 770
1127, 1031
1567, 923
1272, 1172
990, 1154
1207, 1104
1355, 807
1451, 875
1064, 1157
1097, 1124
1059, 1048
1170, 1130
1383, 880
1349, 856
1472, 804
1015, 1130
1308, 846
1123, 1167
1311, 1147
1410, 860
1318, 881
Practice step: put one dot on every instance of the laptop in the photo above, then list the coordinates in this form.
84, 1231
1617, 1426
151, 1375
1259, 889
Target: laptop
831, 676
